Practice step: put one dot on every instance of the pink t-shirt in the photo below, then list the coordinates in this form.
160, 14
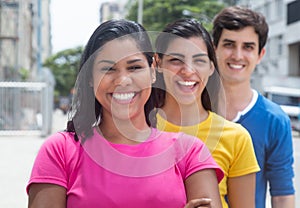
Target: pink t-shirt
98, 173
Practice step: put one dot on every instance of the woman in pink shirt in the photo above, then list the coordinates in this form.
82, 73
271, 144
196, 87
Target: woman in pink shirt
110, 155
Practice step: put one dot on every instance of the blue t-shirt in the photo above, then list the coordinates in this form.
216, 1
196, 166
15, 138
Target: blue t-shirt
270, 130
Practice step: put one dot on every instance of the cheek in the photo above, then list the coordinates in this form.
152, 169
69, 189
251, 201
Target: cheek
205, 72
100, 83
255, 58
168, 76
142, 80
167, 66
222, 54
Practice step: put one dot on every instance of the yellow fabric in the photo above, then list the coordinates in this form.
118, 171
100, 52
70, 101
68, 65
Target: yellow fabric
230, 145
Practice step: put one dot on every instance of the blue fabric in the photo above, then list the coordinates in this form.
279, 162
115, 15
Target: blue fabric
270, 130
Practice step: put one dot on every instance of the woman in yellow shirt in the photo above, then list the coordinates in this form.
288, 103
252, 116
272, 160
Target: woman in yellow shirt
188, 90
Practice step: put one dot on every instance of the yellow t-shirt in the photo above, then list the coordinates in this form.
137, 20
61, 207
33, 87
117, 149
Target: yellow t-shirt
230, 145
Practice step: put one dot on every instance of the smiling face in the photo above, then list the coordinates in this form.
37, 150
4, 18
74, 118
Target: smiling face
122, 80
186, 68
237, 54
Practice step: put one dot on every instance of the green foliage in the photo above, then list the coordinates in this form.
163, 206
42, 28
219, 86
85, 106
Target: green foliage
158, 13
24, 74
64, 66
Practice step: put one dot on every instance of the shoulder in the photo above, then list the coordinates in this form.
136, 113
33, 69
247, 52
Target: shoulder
181, 139
229, 128
272, 114
60, 138
269, 107
62, 142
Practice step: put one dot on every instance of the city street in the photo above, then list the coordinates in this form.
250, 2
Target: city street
17, 155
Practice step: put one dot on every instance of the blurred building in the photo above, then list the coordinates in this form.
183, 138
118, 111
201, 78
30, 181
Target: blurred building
112, 10
24, 37
281, 64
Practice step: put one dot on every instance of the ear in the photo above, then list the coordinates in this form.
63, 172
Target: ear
261, 55
157, 62
212, 68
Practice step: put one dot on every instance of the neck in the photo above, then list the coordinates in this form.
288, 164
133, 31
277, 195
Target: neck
237, 98
183, 115
124, 131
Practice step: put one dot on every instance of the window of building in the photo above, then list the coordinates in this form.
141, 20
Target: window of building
293, 14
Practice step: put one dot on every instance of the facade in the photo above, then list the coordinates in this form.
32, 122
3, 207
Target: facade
281, 64
24, 37
111, 10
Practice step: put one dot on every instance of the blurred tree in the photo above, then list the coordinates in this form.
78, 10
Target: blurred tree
158, 13
64, 66
231, 2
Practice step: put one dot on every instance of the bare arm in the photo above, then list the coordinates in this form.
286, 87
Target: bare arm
241, 191
199, 203
47, 196
203, 184
287, 201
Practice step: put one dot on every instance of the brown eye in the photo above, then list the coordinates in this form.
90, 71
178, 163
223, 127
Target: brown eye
135, 67
176, 60
107, 69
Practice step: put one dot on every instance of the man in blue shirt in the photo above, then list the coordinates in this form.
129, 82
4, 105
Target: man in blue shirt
239, 35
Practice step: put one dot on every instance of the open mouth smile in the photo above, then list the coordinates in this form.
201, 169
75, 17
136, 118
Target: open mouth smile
236, 66
187, 85
124, 97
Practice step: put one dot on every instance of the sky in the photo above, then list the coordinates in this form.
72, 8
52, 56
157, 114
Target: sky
73, 22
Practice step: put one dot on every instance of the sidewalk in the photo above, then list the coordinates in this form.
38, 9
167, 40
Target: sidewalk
17, 155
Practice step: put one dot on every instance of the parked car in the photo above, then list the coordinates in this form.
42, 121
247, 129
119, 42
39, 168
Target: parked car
289, 100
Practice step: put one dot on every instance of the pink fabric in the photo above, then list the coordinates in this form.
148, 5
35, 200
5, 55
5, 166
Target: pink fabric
101, 174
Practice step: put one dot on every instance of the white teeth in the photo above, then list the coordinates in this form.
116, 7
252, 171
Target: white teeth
236, 66
186, 83
123, 96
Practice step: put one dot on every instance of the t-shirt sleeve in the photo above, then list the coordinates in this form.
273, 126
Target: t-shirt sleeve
244, 156
198, 157
50, 163
279, 166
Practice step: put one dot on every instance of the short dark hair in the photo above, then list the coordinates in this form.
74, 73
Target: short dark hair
236, 18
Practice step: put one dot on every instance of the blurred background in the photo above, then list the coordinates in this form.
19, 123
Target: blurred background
41, 42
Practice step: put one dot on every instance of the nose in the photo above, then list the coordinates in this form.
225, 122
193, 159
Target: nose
123, 79
187, 68
237, 54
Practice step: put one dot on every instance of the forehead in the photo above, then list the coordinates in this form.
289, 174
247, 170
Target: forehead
118, 49
193, 45
244, 35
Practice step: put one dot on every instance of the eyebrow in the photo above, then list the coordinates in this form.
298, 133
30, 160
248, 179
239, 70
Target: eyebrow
133, 61
106, 61
175, 54
112, 62
182, 56
231, 41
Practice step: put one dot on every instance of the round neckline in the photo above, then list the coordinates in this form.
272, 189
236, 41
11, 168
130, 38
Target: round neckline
189, 126
150, 138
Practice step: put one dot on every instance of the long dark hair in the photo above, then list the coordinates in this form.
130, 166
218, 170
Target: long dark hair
86, 111
187, 28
